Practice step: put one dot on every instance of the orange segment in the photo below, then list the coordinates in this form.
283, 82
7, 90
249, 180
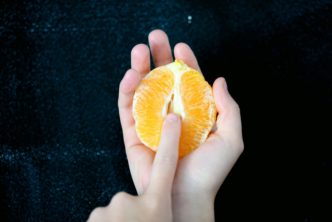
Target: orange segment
179, 89
198, 103
150, 99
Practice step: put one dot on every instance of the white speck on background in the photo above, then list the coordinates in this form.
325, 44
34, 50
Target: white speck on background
189, 19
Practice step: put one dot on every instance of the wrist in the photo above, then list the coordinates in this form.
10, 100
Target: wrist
193, 207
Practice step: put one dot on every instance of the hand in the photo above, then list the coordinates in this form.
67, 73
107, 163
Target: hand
199, 174
155, 203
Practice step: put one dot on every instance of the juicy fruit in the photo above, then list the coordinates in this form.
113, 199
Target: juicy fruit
179, 89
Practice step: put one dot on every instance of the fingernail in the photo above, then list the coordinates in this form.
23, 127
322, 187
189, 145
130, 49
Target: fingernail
172, 117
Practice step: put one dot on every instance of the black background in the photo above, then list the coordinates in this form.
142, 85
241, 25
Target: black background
61, 148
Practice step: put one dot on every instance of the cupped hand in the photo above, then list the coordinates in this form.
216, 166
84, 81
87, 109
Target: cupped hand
200, 173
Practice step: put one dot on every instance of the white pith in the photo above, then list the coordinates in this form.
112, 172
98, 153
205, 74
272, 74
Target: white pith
177, 68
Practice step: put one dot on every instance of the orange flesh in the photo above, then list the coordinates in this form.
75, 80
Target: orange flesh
187, 94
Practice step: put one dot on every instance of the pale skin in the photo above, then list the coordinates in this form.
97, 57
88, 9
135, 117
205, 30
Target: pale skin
172, 189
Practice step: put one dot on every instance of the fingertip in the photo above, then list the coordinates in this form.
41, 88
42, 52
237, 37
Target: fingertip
172, 118
223, 99
220, 82
218, 92
172, 123
171, 128
139, 49
160, 48
179, 46
184, 52
140, 58
171, 131
156, 34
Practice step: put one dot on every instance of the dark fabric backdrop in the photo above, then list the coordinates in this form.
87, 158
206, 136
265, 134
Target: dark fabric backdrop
61, 148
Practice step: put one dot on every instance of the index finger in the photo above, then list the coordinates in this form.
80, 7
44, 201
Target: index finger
165, 162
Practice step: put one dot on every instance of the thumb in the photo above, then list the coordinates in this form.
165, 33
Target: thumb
229, 118
165, 162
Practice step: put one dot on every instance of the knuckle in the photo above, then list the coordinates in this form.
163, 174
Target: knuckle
119, 198
167, 160
240, 146
115, 209
96, 214
235, 106
237, 145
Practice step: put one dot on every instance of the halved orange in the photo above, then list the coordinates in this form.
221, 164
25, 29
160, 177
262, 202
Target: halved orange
179, 89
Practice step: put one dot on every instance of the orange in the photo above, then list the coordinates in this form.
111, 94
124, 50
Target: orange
179, 89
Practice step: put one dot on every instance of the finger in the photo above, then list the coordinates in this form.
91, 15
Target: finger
164, 164
139, 157
184, 52
229, 119
126, 93
160, 48
140, 59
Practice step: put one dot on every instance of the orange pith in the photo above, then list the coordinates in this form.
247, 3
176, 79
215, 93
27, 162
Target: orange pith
179, 89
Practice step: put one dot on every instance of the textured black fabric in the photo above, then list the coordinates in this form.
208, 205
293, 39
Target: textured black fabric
61, 148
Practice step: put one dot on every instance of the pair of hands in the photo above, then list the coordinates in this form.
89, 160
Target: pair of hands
171, 189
